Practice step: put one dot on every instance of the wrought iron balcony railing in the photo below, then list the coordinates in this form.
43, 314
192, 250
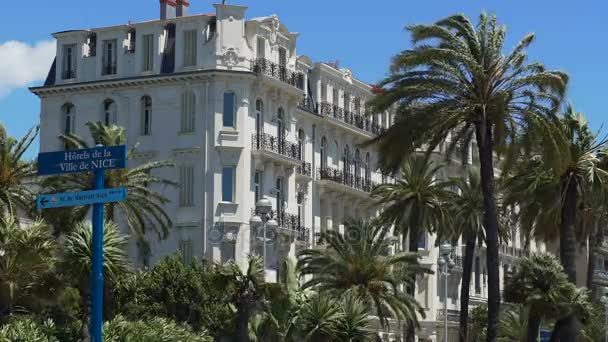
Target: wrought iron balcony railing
265, 67
308, 105
267, 142
353, 119
289, 222
304, 169
345, 178
453, 315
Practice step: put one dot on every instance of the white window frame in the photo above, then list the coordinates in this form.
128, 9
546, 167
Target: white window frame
109, 65
69, 62
232, 184
146, 116
186, 251
147, 52
190, 48
186, 186
188, 112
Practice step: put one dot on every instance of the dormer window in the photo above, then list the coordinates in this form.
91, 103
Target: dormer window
190, 48
261, 52
131, 36
109, 57
69, 62
211, 29
92, 45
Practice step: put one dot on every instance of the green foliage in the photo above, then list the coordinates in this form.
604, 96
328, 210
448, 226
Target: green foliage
151, 330
359, 262
512, 326
478, 325
15, 173
415, 203
27, 255
28, 329
177, 291
321, 319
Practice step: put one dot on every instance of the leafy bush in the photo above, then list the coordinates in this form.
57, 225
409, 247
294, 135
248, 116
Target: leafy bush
27, 329
179, 292
153, 330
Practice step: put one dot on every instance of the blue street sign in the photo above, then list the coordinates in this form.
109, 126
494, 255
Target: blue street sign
71, 199
85, 160
545, 335
96, 160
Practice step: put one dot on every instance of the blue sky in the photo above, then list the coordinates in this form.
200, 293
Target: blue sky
362, 35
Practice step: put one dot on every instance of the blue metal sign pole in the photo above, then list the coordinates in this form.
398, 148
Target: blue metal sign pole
97, 264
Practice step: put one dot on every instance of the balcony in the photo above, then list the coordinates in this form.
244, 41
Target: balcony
265, 67
514, 252
307, 104
304, 169
352, 119
274, 148
290, 224
458, 261
453, 315
345, 179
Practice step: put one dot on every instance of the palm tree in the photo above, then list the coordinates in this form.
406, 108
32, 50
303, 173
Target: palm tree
27, 254
555, 180
512, 326
457, 81
357, 324
278, 320
415, 204
143, 207
359, 262
540, 284
466, 209
15, 173
246, 290
75, 263
321, 319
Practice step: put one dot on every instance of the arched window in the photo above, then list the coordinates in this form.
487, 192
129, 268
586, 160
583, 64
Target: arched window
301, 144
357, 164
109, 112
259, 116
368, 173
68, 118
346, 159
323, 153
146, 115
229, 114
188, 112
336, 154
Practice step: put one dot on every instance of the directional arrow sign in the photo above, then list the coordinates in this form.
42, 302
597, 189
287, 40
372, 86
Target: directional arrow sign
85, 160
70, 199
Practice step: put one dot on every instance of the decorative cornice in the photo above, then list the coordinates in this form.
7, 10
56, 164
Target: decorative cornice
137, 81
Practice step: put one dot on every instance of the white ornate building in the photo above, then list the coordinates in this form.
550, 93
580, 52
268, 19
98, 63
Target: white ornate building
243, 116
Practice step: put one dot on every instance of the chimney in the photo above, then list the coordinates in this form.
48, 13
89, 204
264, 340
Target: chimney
182, 8
167, 9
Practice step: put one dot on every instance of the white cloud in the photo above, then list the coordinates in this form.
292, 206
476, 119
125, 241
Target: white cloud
21, 64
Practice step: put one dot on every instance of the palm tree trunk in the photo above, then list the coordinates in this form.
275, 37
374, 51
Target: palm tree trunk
411, 290
533, 326
242, 323
567, 238
466, 284
490, 221
567, 246
594, 243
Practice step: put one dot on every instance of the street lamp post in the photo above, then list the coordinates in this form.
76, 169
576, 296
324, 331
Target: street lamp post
445, 264
604, 301
264, 219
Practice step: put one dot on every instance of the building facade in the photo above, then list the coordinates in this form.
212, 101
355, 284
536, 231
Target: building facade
243, 116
